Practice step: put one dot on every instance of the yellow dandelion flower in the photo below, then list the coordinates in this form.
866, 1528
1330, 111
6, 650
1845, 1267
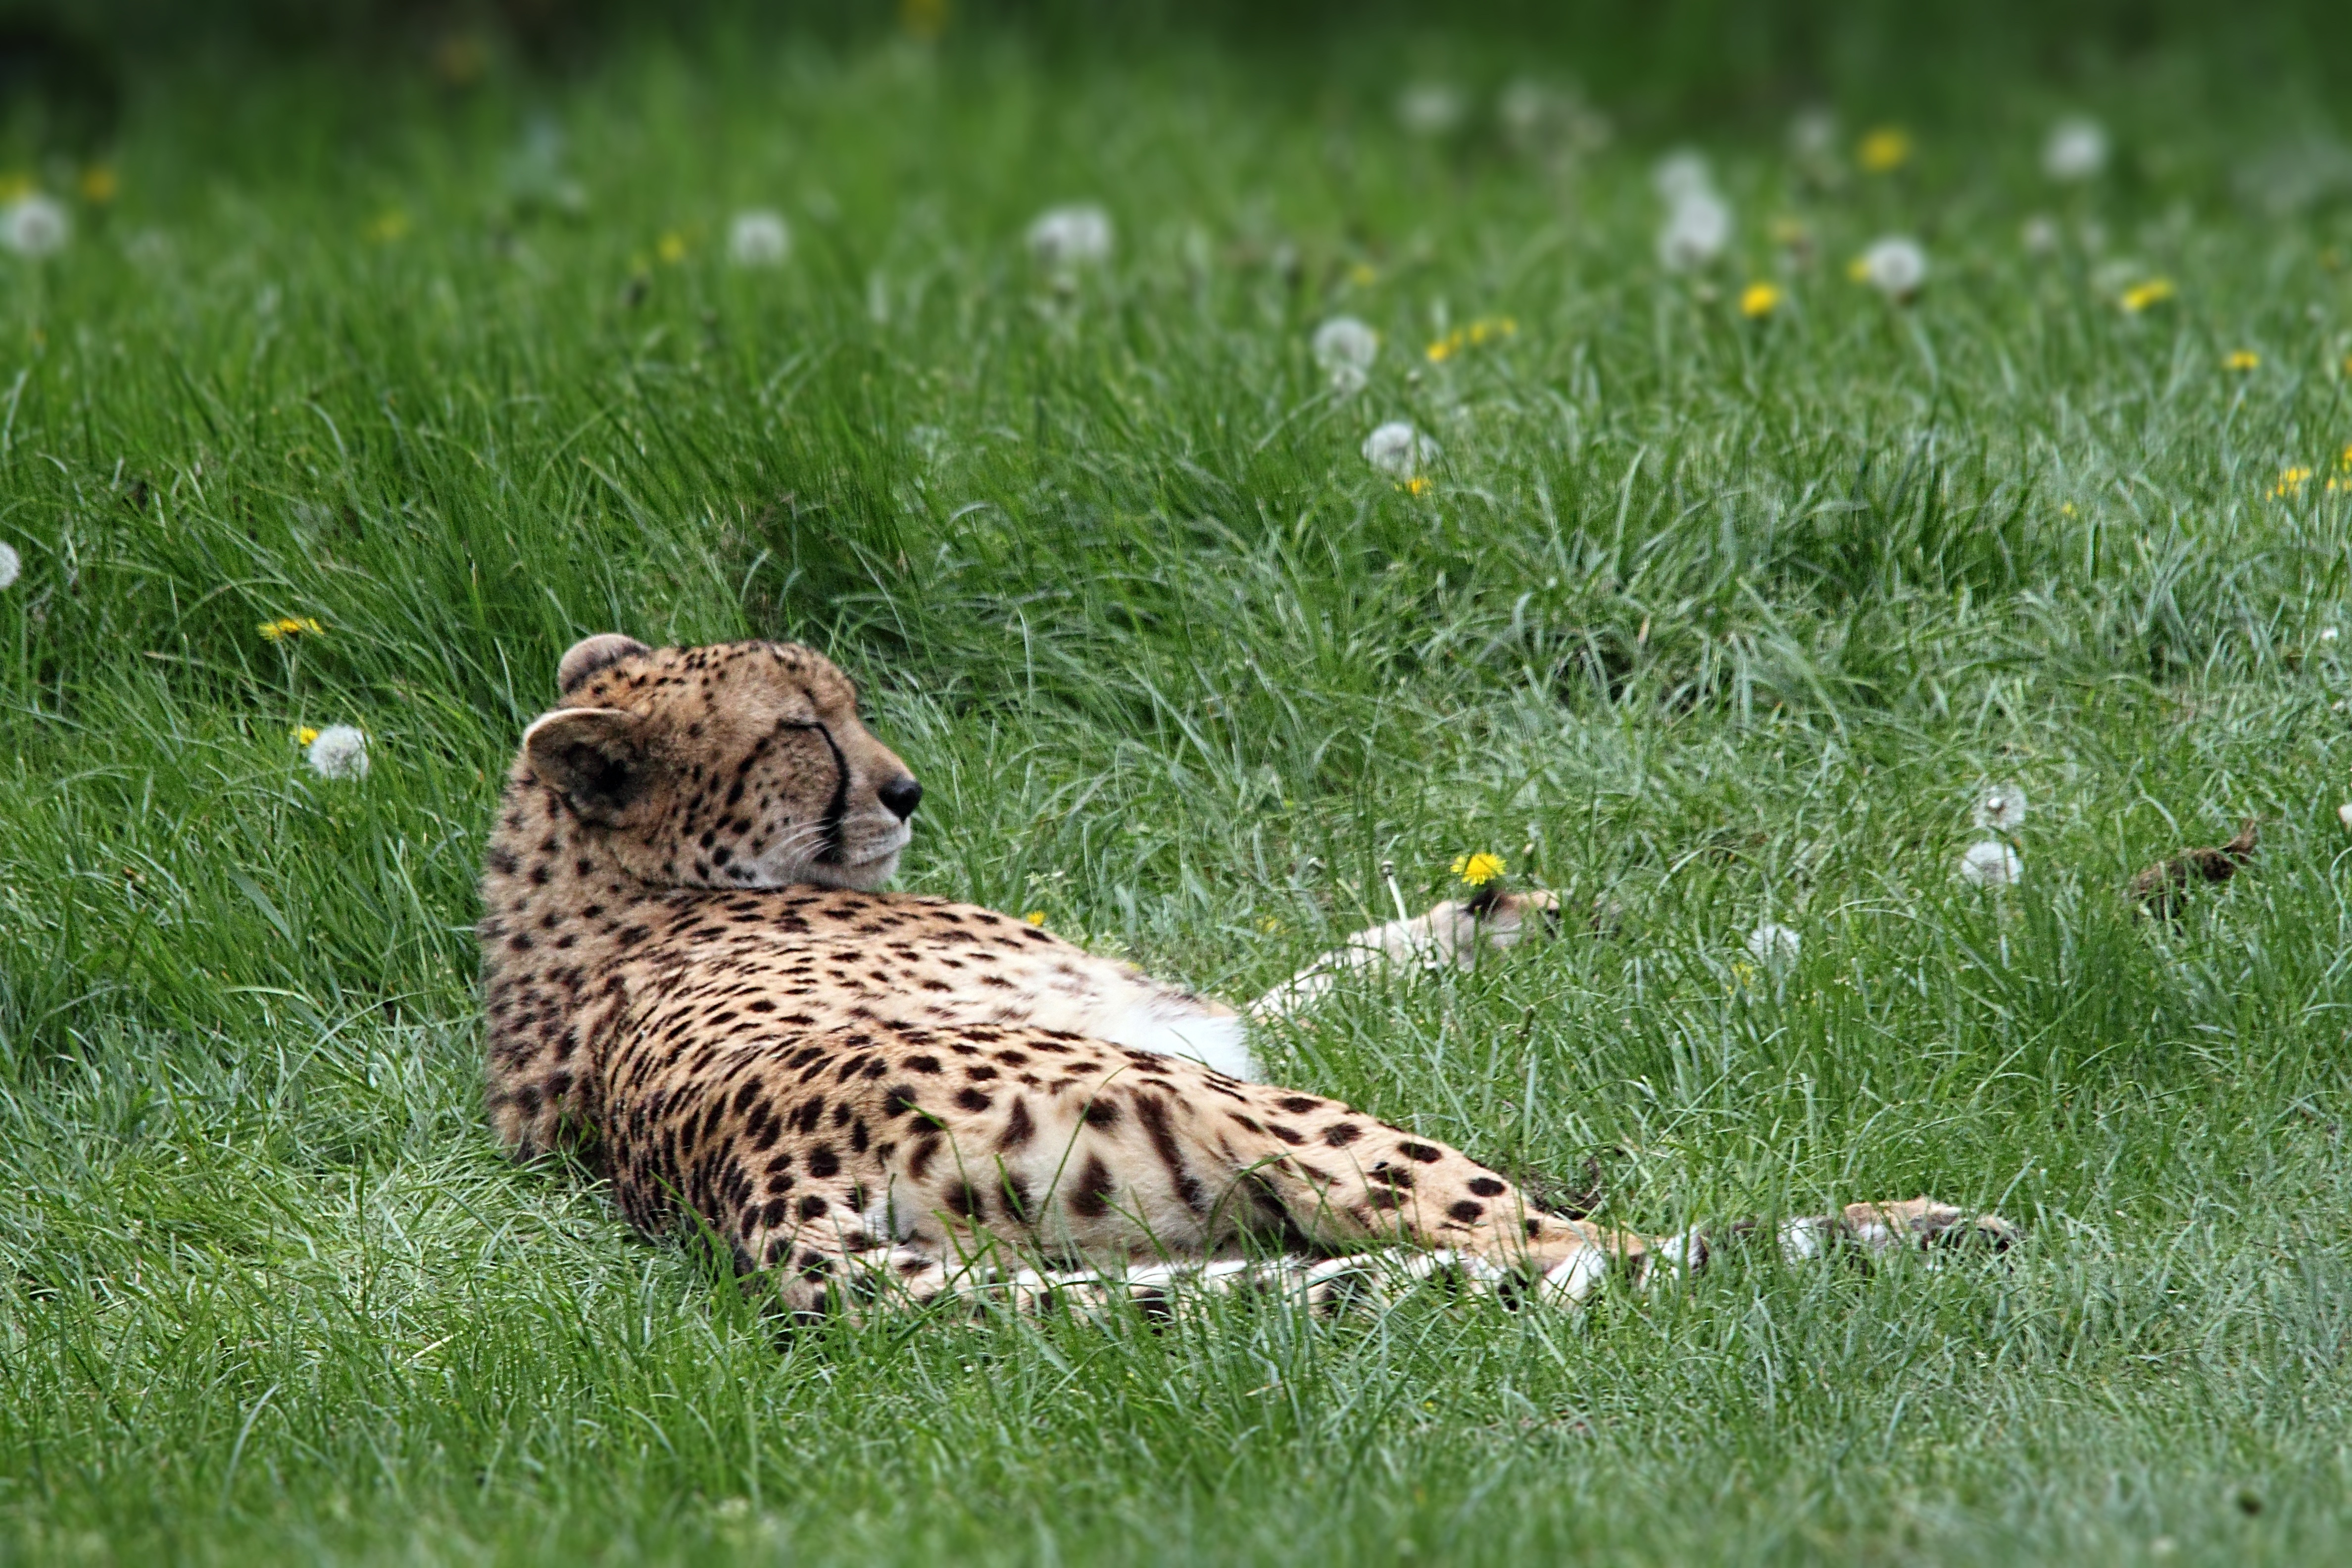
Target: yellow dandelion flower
290, 627
672, 247
2291, 481
99, 184
923, 19
1884, 150
1759, 300
1415, 486
1269, 925
1857, 270
1035, 916
387, 226
2345, 461
2244, 359
1477, 335
460, 59
1478, 870
303, 734
2154, 292
1363, 275
14, 183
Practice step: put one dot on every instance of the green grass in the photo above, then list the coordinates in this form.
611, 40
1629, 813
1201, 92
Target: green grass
1709, 619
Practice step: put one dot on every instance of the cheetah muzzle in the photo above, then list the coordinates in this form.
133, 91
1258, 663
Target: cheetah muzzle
696, 985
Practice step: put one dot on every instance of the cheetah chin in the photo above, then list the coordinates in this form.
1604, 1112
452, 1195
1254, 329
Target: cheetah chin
694, 982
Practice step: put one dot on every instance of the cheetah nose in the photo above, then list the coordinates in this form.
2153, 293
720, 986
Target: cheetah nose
902, 794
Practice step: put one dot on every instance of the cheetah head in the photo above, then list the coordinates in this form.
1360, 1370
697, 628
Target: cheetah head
742, 766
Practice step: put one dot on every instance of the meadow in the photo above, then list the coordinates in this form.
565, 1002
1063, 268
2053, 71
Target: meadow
353, 402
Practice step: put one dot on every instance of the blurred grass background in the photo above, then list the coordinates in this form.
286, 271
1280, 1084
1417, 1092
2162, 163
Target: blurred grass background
421, 325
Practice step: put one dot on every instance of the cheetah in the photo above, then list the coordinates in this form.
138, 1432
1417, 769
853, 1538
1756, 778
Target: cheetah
696, 985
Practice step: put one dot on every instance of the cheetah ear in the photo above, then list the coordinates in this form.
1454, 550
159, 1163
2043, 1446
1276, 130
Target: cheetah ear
589, 654
596, 758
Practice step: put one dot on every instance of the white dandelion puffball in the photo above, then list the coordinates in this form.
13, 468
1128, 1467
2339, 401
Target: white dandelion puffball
1812, 135
1396, 448
2038, 235
2002, 809
1344, 348
35, 225
1896, 267
759, 238
1523, 108
1773, 944
1678, 176
2343, 815
1696, 229
1990, 863
1065, 238
12, 566
339, 751
2077, 149
1432, 108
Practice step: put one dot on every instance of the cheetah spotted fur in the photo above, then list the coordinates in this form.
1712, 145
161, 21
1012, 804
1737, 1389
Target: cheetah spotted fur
695, 984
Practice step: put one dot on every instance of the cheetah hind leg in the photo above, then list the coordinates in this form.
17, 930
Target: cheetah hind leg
1913, 1224
1325, 1287
1862, 1231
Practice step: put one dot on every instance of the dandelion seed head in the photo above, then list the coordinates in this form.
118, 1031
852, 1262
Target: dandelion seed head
2038, 235
1896, 266
1065, 238
1681, 174
2001, 808
2076, 150
35, 224
1432, 108
1344, 348
1812, 135
1697, 227
759, 237
339, 751
12, 566
1773, 944
1523, 108
1399, 450
1990, 863
2343, 815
